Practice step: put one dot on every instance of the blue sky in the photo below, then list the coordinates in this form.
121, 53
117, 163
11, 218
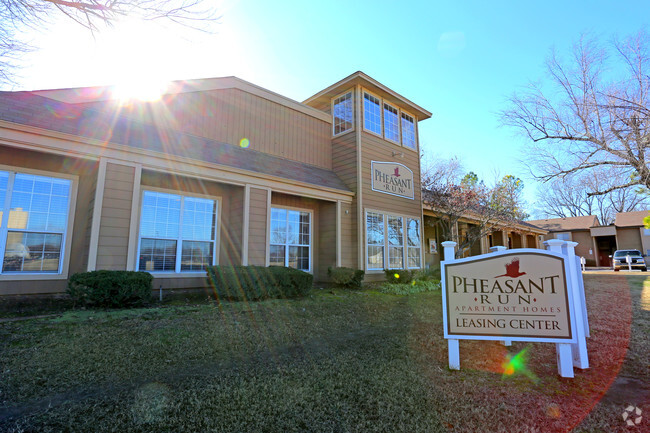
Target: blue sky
458, 59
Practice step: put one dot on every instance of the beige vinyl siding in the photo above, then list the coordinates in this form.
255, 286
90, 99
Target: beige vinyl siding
344, 164
344, 159
257, 227
78, 254
326, 254
349, 235
232, 215
585, 243
628, 239
228, 115
113, 241
377, 149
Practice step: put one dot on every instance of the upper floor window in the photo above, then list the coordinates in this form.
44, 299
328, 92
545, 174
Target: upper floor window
343, 112
408, 131
371, 113
177, 233
33, 222
391, 123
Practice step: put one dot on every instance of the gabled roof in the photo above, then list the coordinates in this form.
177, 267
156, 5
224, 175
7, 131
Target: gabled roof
80, 95
567, 224
27, 108
324, 96
631, 219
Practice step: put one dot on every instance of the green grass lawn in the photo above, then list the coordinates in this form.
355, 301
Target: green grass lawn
334, 361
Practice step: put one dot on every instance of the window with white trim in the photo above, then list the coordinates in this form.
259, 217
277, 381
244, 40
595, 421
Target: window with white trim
290, 243
177, 233
408, 131
386, 233
395, 242
34, 212
375, 240
414, 243
343, 113
371, 113
391, 123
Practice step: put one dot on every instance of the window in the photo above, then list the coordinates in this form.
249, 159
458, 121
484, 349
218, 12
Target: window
563, 236
371, 114
343, 111
413, 239
290, 238
395, 242
375, 240
646, 232
387, 233
177, 233
391, 123
408, 131
33, 222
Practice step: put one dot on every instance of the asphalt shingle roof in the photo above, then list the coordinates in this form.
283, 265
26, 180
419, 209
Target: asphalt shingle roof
630, 219
29, 109
567, 224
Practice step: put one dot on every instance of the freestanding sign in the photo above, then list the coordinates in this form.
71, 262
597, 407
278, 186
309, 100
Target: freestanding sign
527, 300
516, 295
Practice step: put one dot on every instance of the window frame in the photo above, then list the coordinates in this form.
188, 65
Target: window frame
351, 92
401, 245
66, 241
177, 272
365, 92
415, 131
399, 126
286, 245
400, 112
407, 247
386, 245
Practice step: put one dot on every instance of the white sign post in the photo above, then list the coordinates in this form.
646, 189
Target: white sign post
517, 295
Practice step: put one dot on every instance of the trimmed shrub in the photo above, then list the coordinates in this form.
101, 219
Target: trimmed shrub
112, 289
346, 277
248, 283
398, 276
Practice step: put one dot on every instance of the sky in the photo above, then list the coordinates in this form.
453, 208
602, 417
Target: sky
458, 59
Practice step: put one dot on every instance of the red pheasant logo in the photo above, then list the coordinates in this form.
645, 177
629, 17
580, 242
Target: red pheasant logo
512, 269
396, 174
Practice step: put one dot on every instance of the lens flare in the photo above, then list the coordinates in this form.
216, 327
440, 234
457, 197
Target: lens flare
244, 143
516, 364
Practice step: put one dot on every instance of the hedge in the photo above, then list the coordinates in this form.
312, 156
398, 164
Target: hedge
113, 289
248, 283
346, 277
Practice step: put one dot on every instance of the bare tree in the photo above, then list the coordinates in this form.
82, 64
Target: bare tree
570, 196
593, 114
17, 16
468, 200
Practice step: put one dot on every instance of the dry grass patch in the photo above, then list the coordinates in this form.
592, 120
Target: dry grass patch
335, 361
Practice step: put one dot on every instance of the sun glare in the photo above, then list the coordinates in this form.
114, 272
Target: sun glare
140, 89
135, 51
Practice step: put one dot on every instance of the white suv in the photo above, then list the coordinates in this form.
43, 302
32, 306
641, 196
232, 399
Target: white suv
635, 257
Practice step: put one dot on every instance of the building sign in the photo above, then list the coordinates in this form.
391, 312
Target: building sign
520, 296
392, 178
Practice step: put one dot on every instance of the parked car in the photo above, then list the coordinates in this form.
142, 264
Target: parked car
635, 257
